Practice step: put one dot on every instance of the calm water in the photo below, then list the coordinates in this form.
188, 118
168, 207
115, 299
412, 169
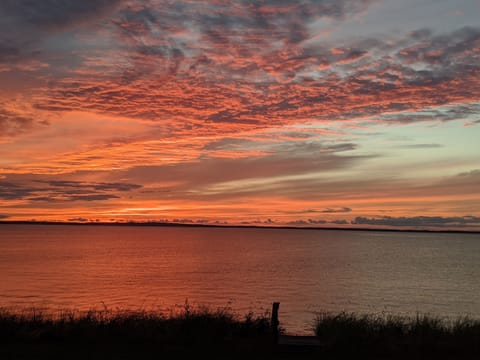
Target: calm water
60, 267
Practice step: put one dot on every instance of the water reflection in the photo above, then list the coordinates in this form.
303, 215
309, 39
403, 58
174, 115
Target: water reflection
245, 269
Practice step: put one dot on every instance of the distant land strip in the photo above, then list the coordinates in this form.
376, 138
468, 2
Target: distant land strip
279, 227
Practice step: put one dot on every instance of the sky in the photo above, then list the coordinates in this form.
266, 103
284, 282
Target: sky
327, 113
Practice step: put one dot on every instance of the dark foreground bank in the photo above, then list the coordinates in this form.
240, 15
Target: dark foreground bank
221, 334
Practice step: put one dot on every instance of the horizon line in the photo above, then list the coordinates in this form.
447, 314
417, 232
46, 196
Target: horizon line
246, 226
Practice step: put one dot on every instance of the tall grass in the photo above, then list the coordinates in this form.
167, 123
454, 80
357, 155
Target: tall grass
106, 334
194, 332
383, 335
200, 324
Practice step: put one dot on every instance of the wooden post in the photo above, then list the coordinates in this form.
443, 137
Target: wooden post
275, 321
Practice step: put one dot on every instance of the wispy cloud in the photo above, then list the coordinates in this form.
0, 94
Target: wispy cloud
52, 14
420, 146
341, 210
63, 191
419, 221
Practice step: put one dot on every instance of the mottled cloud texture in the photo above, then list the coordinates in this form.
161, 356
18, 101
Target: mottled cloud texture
270, 112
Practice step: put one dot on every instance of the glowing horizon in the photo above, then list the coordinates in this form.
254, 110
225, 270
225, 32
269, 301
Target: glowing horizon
308, 113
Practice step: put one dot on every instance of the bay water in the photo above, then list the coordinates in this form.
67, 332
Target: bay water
162, 268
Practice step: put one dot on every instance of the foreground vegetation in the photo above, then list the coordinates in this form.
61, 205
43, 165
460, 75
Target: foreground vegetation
105, 334
422, 336
121, 334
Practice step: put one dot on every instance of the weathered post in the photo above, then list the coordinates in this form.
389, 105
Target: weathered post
275, 321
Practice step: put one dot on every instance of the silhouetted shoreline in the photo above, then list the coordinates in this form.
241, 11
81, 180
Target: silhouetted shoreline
279, 227
106, 334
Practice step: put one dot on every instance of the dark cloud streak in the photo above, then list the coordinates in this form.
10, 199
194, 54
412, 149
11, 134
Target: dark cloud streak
341, 210
54, 191
54, 14
419, 221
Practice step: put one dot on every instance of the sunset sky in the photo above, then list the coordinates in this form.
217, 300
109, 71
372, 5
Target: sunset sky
348, 113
